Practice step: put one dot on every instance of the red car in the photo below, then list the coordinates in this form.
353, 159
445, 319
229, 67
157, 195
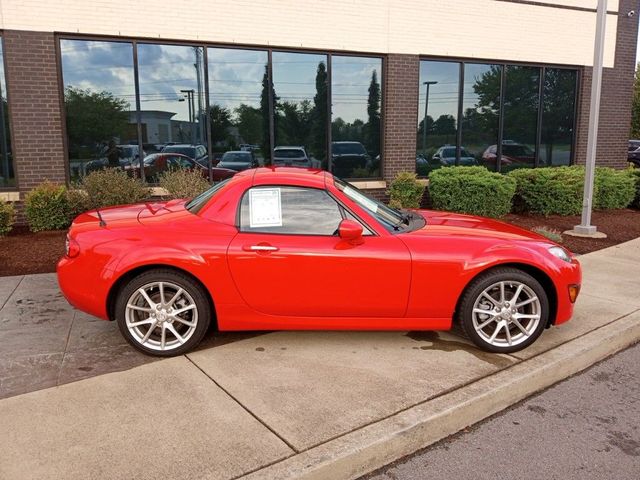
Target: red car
290, 248
157, 163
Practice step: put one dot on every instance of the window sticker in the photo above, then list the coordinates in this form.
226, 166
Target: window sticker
265, 208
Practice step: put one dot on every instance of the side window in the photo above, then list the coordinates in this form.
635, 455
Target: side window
289, 210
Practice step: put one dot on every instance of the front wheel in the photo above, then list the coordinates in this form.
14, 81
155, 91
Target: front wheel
503, 310
163, 312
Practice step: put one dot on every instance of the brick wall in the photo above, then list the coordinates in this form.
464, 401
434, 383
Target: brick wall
34, 105
615, 101
400, 114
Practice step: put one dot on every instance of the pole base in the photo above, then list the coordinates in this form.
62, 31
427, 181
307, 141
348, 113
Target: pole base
590, 231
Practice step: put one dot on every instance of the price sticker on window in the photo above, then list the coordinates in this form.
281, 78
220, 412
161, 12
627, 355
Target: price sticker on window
265, 208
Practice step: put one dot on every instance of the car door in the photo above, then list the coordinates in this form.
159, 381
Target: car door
288, 259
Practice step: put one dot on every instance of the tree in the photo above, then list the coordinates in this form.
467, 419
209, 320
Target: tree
373, 111
635, 108
220, 119
249, 122
93, 118
317, 140
267, 91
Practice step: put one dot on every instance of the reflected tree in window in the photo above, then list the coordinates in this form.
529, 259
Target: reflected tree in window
558, 111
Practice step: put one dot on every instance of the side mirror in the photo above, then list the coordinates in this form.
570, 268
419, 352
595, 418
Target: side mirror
350, 231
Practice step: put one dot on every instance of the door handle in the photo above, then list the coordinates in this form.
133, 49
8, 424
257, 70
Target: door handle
260, 248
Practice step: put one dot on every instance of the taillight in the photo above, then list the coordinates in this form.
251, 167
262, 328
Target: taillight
71, 247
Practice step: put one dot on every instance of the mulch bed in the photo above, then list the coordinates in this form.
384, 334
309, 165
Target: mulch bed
23, 252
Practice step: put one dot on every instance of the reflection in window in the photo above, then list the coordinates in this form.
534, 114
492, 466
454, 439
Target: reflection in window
7, 176
355, 120
521, 99
301, 104
558, 108
99, 99
481, 109
238, 99
438, 109
305, 211
172, 94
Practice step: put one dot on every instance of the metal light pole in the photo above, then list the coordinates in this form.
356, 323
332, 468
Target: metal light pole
585, 228
426, 108
190, 94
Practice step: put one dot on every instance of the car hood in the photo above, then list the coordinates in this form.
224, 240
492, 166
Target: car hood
456, 224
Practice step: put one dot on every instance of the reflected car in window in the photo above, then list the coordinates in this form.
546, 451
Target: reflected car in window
126, 155
198, 153
291, 157
238, 160
348, 156
514, 155
297, 249
446, 156
158, 163
634, 153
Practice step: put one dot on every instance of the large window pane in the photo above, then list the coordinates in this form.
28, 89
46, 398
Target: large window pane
99, 98
301, 106
7, 176
521, 94
481, 110
172, 101
558, 107
355, 116
438, 108
238, 99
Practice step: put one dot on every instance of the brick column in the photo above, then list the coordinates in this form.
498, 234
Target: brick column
34, 106
400, 114
615, 102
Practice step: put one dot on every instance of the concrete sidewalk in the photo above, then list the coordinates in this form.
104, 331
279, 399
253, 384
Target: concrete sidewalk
300, 404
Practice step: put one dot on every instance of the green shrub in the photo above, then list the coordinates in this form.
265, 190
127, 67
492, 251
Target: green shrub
183, 183
7, 217
615, 188
405, 191
635, 175
113, 187
473, 190
549, 190
77, 202
46, 207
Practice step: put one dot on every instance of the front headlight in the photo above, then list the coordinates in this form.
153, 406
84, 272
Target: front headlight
561, 253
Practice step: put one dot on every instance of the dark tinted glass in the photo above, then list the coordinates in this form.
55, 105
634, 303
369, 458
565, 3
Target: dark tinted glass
481, 110
172, 98
300, 85
356, 100
558, 107
238, 99
100, 108
438, 108
521, 99
7, 176
305, 211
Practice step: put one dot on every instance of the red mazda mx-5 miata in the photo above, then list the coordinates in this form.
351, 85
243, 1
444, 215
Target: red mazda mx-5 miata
288, 248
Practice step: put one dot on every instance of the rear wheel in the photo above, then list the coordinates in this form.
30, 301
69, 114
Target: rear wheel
503, 310
163, 312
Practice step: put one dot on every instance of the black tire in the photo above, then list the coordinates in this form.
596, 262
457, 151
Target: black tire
464, 316
192, 289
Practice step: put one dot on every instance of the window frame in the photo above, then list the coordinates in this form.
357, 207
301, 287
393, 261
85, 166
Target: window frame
6, 141
230, 46
462, 61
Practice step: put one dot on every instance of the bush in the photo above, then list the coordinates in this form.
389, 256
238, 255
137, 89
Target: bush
635, 175
113, 187
405, 191
473, 190
183, 183
47, 207
7, 217
614, 188
77, 202
549, 190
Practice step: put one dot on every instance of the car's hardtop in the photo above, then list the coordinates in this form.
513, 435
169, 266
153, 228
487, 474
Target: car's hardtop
303, 177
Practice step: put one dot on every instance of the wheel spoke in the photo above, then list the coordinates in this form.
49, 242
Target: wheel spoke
146, 321
527, 301
175, 297
508, 332
517, 294
149, 332
491, 299
151, 303
163, 336
175, 333
502, 299
184, 309
161, 287
518, 316
183, 321
496, 331
486, 322
519, 325
140, 309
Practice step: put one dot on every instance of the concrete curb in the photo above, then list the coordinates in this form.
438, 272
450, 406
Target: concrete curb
371, 447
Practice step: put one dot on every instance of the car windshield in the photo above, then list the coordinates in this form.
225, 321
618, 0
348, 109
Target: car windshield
195, 205
288, 153
390, 218
236, 157
348, 149
188, 151
449, 153
516, 150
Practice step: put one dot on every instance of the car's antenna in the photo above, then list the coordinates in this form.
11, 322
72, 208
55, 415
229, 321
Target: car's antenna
102, 222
